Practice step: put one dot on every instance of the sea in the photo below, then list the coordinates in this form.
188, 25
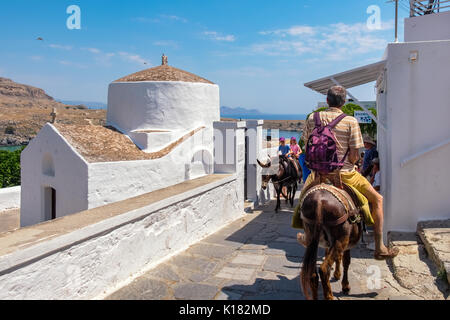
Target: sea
266, 116
274, 133
9, 148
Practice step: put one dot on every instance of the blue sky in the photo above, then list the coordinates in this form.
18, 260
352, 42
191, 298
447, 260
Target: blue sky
259, 52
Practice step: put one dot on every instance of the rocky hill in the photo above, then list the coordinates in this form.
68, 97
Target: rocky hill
24, 110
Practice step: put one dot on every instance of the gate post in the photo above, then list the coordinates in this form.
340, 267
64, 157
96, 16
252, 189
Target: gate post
229, 152
254, 135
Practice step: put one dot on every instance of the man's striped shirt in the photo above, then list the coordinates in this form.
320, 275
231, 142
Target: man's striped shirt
347, 133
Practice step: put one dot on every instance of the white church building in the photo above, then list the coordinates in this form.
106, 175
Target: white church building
159, 133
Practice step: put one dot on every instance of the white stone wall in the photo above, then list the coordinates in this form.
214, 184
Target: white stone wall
49, 161
415, 108
10, 198
90, 262
429, 27
114, 181
163, 105
229, 152
255, 143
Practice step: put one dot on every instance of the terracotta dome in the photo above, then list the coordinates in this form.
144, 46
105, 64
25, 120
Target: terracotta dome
163, 73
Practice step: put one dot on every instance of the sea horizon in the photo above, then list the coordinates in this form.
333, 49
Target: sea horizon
265, 116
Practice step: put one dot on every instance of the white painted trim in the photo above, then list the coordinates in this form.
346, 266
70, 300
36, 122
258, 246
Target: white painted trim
423, 152
39, 250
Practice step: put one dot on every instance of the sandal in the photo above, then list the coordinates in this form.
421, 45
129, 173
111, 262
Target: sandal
392, 252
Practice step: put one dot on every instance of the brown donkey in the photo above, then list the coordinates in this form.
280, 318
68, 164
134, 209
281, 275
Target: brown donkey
327, 223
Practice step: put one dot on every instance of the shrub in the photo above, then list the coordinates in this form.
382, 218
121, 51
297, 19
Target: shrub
10, 130
10, 168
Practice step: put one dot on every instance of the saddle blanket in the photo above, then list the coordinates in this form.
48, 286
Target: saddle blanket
364, 203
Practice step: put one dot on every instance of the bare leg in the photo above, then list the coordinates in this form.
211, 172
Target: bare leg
376, 202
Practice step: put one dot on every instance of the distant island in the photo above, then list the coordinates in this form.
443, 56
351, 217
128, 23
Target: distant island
88, 104
226, 111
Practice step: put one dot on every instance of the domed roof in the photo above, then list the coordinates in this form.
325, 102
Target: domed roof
163, 73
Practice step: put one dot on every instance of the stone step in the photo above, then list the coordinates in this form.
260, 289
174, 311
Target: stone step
413, 269
435, 236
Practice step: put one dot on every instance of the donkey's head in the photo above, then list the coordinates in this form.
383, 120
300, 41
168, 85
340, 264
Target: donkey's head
265, 177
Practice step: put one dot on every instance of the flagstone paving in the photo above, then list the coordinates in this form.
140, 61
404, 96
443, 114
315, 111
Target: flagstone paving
257, 257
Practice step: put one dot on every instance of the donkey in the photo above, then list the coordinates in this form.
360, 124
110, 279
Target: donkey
283, 178
327, 223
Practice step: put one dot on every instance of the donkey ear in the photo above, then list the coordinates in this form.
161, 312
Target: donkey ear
263, 165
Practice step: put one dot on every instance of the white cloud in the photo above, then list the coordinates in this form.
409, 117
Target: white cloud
218, 37
60, 47
166, 43
36, 58
145, 20
94, 50
333, 42
292, 31
160, 19
173, 17
131, 57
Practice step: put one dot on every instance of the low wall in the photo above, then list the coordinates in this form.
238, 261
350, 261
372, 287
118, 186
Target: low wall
9, 198
87, 255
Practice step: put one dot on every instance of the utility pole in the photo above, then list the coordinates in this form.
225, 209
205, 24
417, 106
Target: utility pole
396, 19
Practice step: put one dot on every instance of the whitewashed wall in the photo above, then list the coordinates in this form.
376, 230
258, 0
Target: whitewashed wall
10, 198
69, 178
114, 181
416, 109
255, 143
428, 27
164, 105
229, 151
94, 260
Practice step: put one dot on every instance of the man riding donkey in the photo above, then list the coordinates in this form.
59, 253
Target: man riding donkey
349, 140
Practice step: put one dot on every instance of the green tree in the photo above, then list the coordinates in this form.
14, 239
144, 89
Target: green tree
350, 108
10, 168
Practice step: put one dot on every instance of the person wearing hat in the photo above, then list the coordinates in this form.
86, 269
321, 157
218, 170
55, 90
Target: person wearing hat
283, 149
370, 154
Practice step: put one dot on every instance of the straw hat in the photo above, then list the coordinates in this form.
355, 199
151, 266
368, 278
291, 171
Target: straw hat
368, 139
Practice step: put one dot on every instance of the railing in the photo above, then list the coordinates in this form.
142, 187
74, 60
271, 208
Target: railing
420, 8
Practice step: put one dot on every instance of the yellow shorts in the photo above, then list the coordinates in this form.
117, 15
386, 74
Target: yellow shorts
354, 179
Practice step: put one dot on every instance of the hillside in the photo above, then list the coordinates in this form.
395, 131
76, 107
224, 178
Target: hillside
24, 110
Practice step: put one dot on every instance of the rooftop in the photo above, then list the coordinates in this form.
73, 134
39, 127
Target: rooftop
163, 72
106, 144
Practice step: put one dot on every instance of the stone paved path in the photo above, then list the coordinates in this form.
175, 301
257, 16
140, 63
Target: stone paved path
256, 257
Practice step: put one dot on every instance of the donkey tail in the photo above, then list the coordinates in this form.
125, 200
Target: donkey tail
310, 258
